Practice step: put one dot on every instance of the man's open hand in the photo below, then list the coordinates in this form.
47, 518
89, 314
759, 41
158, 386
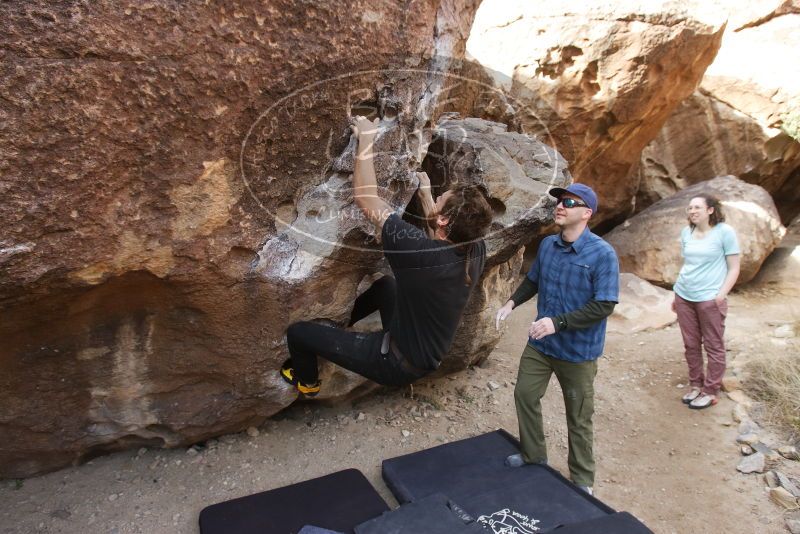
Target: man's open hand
503, 312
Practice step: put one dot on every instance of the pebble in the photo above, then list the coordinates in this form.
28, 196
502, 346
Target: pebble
747, 439
749, 427
731, 383
740, 397
493, 386
113, 497
361, 416
755, 463
793, 523
787, 484
783, 498
61, 513
740, 413
765, 450
747, 450
406, 433
771, 478
789, 452
252, 432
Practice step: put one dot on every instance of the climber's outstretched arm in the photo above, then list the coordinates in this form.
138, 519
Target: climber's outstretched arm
365, 185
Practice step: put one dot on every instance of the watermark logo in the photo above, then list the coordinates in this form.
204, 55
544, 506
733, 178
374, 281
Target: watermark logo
298, 155
507, 521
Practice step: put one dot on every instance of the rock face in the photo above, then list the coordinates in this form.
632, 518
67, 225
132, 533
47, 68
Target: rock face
706, 137
747, 208
642, 306
737, 122
176, 193
596, 81
516, 170
153, 157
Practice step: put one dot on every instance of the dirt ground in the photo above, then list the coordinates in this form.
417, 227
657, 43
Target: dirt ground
672, 467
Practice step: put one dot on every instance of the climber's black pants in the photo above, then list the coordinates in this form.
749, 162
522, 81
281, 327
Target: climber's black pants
355, 351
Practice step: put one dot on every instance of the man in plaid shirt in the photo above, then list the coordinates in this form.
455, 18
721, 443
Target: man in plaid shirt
576, 275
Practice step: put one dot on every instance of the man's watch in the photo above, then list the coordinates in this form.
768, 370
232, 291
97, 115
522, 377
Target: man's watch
560, 324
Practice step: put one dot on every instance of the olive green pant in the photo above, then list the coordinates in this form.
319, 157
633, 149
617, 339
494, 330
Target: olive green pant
577, 383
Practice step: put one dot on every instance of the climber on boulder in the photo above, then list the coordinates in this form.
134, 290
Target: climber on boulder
421, 305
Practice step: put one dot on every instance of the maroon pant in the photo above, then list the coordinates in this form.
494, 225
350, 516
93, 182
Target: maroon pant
703, 325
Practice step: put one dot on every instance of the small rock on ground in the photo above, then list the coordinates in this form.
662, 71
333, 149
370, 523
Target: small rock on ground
789, 452
748, 427
740, 397
793, 523
783, 498
731, 383
787, 484
766, 450
771, 478
747, 439
755, 463
740, 413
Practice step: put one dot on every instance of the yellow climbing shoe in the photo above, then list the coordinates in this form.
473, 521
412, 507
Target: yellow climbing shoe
287, 373
308, 391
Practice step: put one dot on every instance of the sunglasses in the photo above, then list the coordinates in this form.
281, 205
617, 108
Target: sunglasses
571, 203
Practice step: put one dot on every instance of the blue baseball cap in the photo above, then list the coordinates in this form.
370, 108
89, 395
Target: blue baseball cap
582, 191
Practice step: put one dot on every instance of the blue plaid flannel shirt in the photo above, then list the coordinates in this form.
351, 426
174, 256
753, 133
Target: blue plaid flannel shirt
568, 276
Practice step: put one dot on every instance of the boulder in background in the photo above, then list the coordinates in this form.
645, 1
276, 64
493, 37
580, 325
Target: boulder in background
648, 244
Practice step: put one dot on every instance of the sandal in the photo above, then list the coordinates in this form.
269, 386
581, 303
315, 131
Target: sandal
703, 401
692, 395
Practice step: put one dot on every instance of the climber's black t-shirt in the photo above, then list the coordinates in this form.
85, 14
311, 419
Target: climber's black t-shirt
431, 290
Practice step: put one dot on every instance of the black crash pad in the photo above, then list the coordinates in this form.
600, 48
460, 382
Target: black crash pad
471, 472
338, 502
434, 514
617, 523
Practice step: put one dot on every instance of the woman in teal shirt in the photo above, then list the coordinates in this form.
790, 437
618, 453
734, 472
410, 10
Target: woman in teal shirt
710, 252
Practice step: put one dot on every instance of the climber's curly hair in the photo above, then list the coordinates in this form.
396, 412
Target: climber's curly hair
469, 216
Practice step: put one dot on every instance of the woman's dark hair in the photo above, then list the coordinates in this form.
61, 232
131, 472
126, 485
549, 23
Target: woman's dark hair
716, 216
469, 216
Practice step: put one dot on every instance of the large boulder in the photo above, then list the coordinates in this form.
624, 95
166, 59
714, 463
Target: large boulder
648, 244
781, 271
175, 193
642, 306
742, 119
597, 81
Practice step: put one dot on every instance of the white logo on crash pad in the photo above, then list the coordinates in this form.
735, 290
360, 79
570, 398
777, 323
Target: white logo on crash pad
508, 521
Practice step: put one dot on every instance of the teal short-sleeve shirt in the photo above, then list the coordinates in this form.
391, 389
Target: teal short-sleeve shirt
704, 265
